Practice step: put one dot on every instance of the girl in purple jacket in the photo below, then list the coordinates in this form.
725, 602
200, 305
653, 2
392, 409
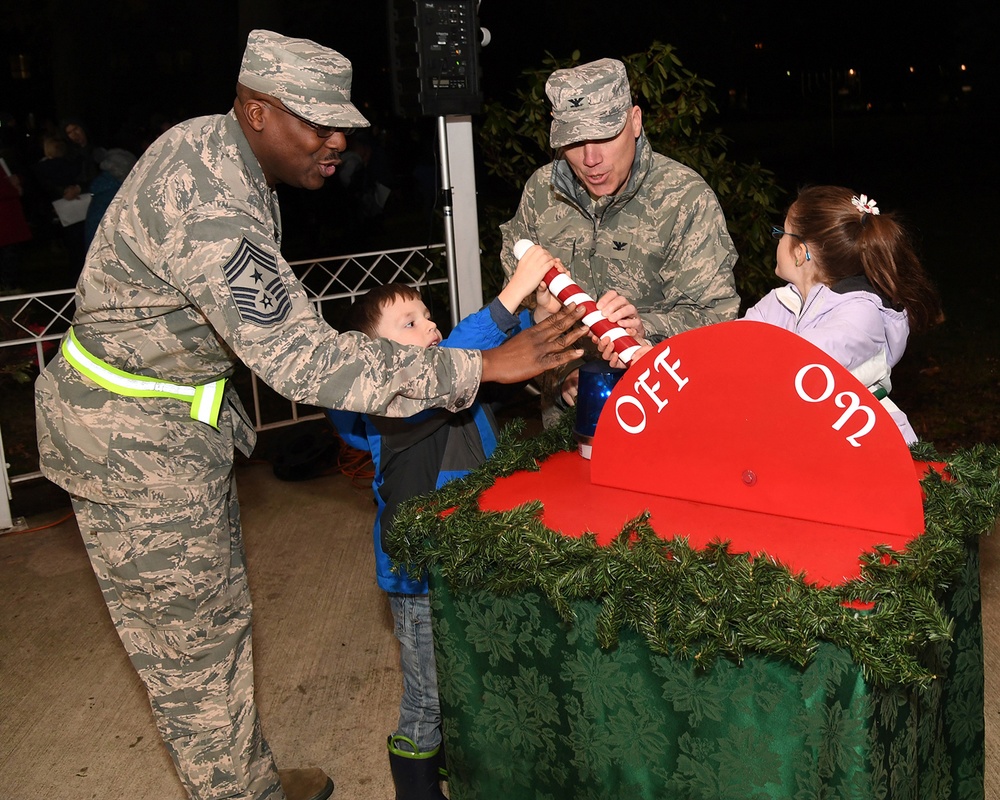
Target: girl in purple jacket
855, 286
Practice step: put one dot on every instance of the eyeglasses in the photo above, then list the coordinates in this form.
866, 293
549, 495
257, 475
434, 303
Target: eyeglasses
777, 233
322, 131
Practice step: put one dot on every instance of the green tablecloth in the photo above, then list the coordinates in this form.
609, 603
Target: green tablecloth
720, 675
533, 708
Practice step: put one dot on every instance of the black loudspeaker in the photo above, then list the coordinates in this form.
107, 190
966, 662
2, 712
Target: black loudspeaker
434, 53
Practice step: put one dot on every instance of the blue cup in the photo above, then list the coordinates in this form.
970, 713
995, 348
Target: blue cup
597, 380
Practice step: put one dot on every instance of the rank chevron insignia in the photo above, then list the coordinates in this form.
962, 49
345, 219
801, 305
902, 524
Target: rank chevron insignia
253, 279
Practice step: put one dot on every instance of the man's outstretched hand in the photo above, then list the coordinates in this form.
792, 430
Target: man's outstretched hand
532, 351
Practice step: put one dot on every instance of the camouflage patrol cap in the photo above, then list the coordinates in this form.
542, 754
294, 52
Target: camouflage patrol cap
590, 101
311, 80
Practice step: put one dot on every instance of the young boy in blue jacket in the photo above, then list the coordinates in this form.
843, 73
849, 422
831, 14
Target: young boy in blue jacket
413, 456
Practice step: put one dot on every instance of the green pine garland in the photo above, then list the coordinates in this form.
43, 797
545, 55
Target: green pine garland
706, 603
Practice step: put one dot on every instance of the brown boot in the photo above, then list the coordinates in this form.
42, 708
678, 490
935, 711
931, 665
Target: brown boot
305, 784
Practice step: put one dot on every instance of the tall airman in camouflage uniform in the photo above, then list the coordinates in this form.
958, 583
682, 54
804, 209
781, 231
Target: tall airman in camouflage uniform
136, 419
639, 231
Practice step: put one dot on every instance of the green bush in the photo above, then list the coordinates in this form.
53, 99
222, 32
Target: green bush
514, 141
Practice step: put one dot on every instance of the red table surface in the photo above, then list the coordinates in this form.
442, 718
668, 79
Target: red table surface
827, 554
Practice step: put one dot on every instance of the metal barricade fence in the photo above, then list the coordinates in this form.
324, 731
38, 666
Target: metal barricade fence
31, 326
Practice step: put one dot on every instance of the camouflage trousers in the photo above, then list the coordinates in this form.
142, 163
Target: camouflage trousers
174, 580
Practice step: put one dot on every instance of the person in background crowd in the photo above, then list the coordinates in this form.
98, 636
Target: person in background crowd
14, 230
87, 156
56, 172
57, 176
114, 169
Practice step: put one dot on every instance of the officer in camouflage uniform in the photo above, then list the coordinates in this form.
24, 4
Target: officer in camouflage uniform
137, 422
627, 222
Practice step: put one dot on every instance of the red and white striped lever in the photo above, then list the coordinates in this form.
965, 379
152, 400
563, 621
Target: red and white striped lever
563, 287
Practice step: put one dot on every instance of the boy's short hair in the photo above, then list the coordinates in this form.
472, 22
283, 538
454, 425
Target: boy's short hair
366, 312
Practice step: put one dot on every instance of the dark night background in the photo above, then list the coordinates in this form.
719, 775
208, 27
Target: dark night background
122, 63
914, 127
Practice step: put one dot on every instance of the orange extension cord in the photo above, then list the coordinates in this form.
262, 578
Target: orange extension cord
53, 524
356, 465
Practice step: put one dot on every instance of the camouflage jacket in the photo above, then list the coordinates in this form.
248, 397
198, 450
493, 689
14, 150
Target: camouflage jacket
185, 277
662, 241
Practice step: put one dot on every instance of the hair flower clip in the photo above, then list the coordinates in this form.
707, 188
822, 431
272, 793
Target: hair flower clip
864, 205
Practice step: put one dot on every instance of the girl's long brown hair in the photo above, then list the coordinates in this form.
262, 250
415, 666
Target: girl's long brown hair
845, 241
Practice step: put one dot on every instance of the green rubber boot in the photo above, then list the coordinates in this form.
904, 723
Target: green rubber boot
414, 774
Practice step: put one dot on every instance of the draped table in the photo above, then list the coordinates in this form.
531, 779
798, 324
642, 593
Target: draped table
534, 709
596, 639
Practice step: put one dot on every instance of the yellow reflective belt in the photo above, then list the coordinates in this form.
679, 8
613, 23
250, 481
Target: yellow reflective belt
205, 400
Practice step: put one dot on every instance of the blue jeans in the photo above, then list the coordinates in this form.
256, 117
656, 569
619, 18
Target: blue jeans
419, 709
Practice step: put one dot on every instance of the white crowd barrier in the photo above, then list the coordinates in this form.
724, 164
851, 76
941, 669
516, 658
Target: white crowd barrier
32, 324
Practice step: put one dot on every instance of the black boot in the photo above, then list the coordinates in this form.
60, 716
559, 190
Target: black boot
441, 763
414, 774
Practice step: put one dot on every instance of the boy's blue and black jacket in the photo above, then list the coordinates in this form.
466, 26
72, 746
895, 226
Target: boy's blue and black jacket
412, 456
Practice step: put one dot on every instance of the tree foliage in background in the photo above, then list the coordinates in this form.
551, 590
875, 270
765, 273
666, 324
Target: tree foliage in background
676, 106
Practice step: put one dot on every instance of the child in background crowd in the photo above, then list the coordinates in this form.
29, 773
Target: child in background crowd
416, 455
